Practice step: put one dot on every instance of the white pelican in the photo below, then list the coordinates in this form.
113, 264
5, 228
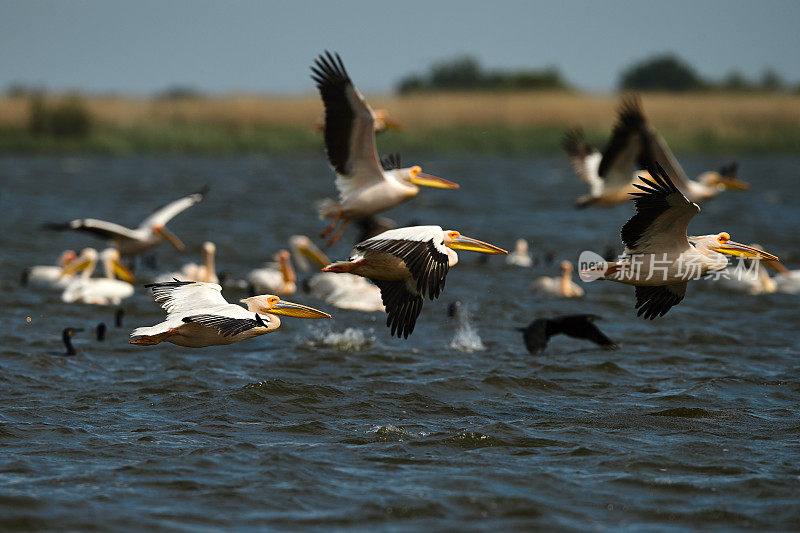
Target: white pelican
659, 258
366, 185
634, 145
198, 315
344, 291
521, 255
99, 291
278, 278
786, 281
408, 264
562, 285
135, 241
382, 122
206, 271
537, 334
49, 275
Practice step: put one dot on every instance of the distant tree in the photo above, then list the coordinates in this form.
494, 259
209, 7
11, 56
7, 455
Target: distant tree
771, 81
179, 92
466, 73
735, 81
660, 73
38, 118
68, 118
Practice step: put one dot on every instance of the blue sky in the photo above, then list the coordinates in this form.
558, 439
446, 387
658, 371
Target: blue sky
140, 47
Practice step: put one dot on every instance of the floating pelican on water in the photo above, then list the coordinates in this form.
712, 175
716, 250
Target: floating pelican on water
135, 241
561, 286
366, 185
521, 255
408, 264
107, 290
205, 271
635, 145
659, 258
277, 278
49, 275
198, 316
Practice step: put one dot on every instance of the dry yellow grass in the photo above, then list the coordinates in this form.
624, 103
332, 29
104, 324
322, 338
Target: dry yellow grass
731, 119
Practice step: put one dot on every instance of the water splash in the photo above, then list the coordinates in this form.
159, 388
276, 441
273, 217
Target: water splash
466, 338
351, 339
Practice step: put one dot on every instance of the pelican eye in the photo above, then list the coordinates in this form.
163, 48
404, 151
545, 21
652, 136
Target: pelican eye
453, 235
272, 300
723, 238
415, 171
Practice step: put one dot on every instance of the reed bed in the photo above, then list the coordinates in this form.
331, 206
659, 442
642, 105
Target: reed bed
447, 122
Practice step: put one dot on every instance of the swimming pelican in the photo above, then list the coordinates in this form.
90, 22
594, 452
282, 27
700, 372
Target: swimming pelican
135, 241
520, 257
278, 278
537, 334
366, 185
206, 271
99, 291
659, 258
408, 264
634, 145
49, 275
786, 281
198, 316
382, 122
562, 286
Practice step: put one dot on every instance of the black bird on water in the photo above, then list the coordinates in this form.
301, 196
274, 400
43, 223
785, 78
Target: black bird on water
66, 336
538, 332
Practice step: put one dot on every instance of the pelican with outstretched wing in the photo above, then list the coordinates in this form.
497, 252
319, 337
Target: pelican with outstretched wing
366, 184
135, 241
659, 258
408, 264
198, 316
634, 145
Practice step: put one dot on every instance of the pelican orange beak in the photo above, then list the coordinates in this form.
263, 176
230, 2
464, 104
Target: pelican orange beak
473, 245
426, 180
779, 268
122, 272
742, 250
307, 249
282, 307
170, 237
75, 266
733, 183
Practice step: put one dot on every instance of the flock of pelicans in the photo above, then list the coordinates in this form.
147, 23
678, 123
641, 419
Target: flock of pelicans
406, 265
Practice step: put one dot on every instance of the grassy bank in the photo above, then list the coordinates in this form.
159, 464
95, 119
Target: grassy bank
448, 123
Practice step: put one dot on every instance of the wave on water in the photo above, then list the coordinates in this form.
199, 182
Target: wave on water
351, 339
466, 338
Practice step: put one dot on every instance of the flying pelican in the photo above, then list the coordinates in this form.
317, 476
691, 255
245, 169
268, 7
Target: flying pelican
382, 122
408, 264
520, 257
198, 316
537, 334
659, 258
193, 272
135, 241
562, 286
99, 291
366, 185
634, 145
49, 275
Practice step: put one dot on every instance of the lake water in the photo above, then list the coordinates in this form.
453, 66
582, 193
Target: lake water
692, 423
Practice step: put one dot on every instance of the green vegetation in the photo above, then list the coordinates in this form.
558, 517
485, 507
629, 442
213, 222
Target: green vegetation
67, 118
466, 74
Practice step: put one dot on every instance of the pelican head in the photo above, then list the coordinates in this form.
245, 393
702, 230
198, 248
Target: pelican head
271, 304
84, 262
304, 250
722, 243
383, 122
415, 176
566, 267
209, 247
111, 259
453, 239
724, 178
